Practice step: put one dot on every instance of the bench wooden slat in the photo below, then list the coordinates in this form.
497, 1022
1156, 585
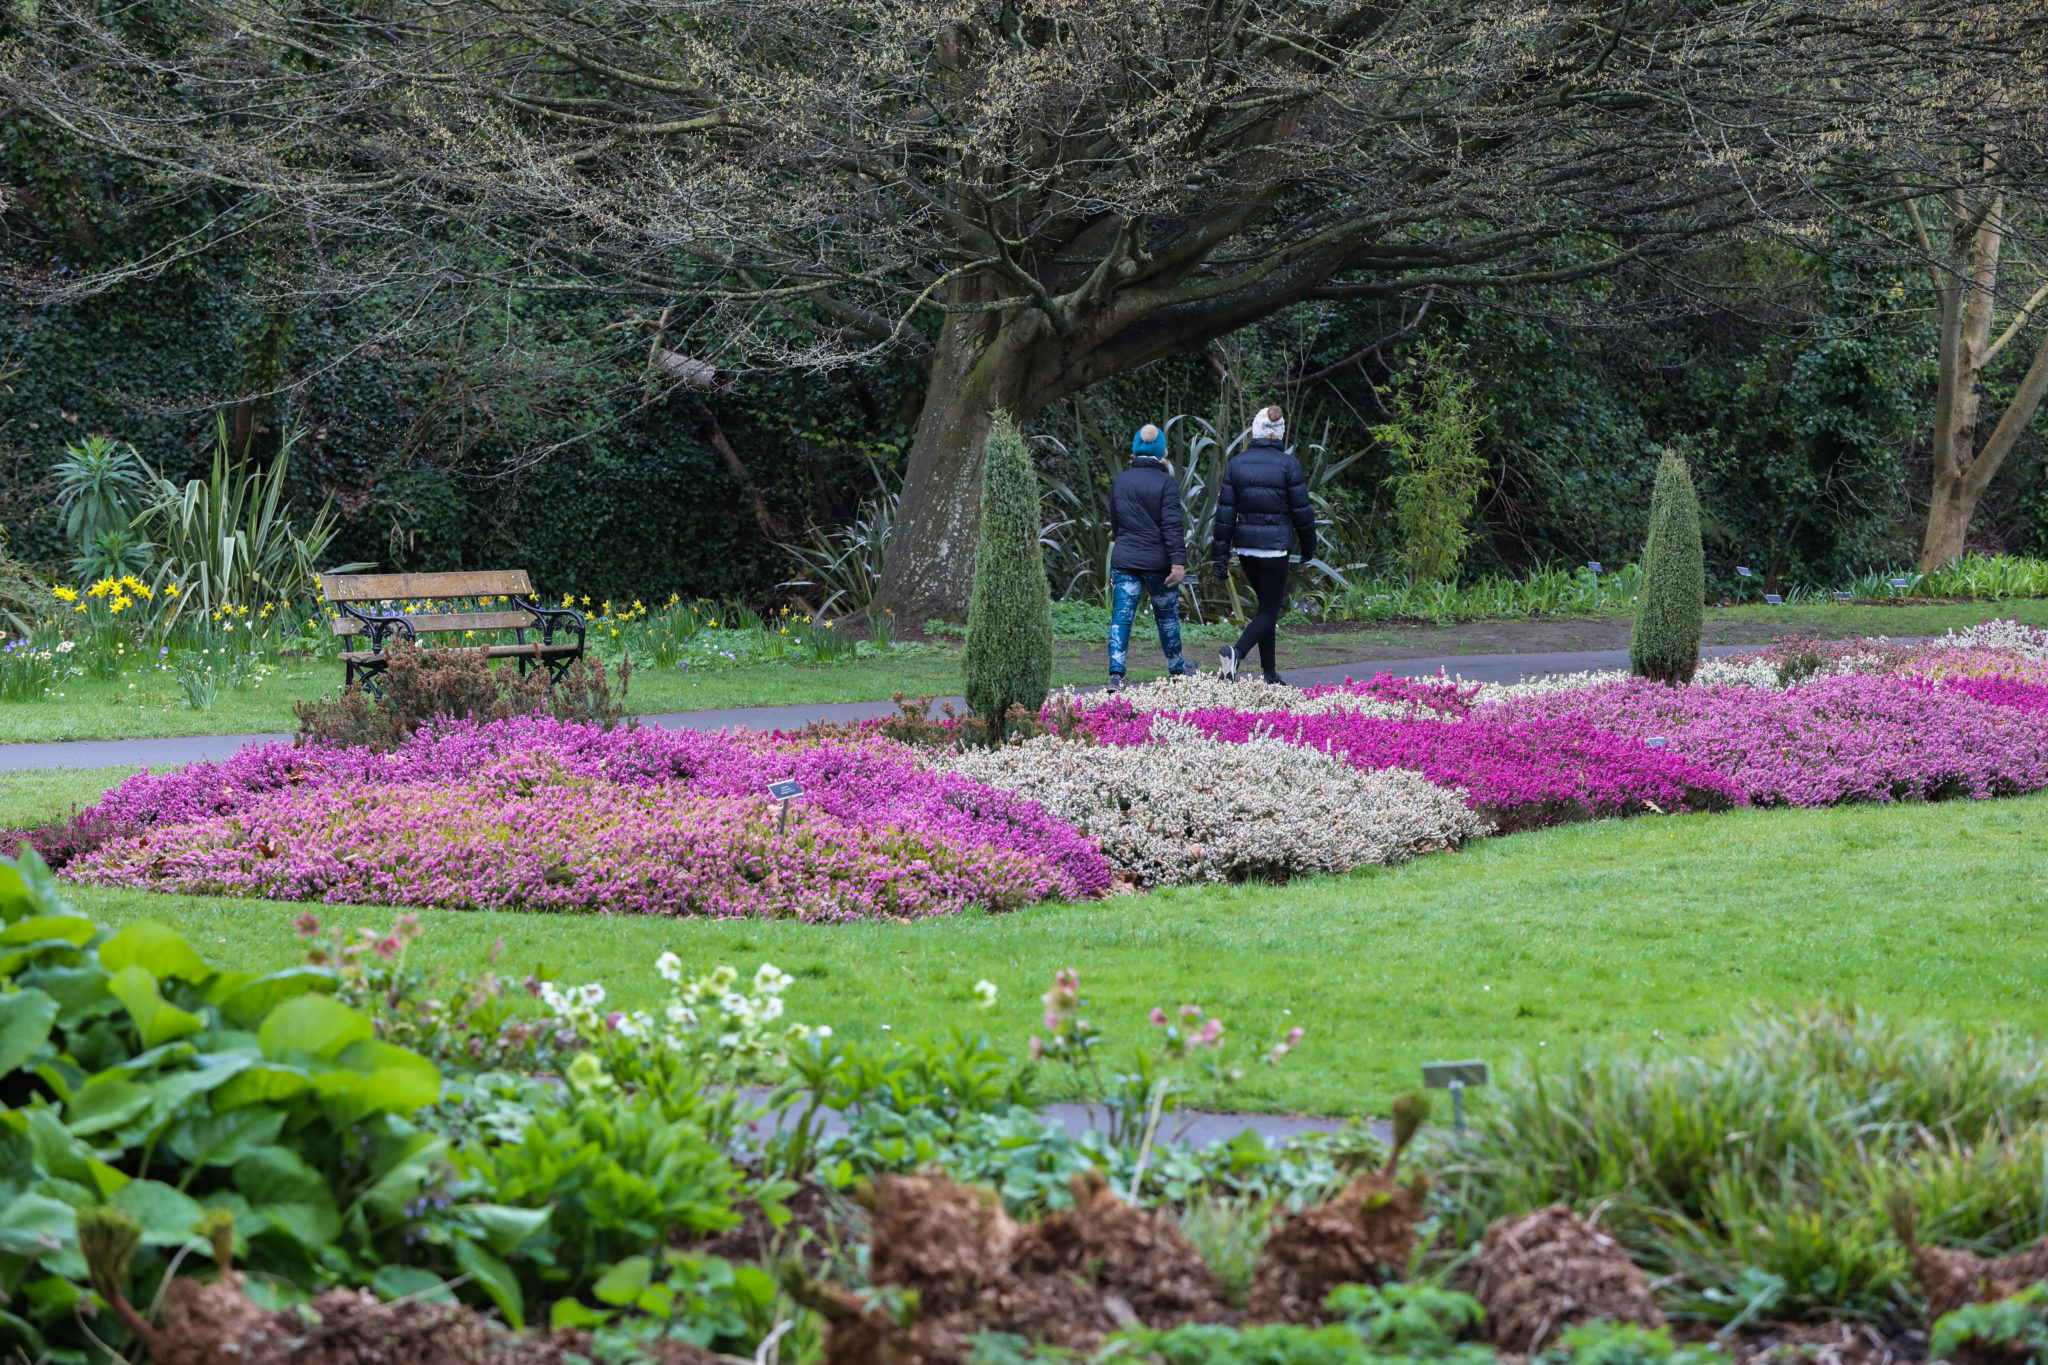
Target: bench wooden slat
380, 587
427, 623
532, 651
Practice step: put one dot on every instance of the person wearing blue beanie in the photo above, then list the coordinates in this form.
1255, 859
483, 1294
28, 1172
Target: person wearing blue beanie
1150, 555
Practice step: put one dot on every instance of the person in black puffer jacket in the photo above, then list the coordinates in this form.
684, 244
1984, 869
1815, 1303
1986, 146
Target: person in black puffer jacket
1262, 512
1150, 555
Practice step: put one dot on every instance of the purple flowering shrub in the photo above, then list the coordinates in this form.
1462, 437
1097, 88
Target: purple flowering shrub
1854, 737
542, 814
1520, 774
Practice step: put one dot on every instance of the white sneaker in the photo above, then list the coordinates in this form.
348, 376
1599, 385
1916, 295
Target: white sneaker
1227, 669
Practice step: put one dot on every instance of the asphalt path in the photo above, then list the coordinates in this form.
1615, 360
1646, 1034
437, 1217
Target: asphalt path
153, 753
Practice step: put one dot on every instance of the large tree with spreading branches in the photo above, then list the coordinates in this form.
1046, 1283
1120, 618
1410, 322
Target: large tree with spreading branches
1027, 195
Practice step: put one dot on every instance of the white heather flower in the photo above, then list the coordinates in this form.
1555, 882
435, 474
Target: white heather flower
671, 968
1186, 808
985, 994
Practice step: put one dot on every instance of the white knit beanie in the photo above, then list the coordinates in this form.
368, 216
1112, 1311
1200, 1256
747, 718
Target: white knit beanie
1269, 425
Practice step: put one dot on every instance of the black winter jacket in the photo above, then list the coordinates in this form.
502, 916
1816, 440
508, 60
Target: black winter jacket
1145, 520
1263, 505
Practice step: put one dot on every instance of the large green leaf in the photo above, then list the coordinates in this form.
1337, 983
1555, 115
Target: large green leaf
262, 1083
224, 1139
80, 992
35, 1224
410, 1282
496, 1278
247, 1005
28, 887
504, 1229
312, 1024
157, 1019
623, 1282
290, 1195
349, 1097
106, 1102
15, 901
75, 930
157, 948
25, 1021
168, 1216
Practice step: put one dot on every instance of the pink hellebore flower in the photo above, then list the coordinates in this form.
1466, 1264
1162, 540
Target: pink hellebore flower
1211, 1034
1294, 1036
1037, 1047
1158, 1016
1052, 1020
611, 1021
307, 924
1190, 1012
387, 946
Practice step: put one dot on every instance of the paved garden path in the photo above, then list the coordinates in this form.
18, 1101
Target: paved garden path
1506, 668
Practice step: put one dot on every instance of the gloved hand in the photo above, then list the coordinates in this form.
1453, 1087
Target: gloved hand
1176, 575
1219, 569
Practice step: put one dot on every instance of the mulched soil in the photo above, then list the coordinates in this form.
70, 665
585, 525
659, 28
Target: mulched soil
1551, 1269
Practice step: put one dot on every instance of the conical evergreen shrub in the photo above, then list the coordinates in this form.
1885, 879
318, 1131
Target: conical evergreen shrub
1009, 615
1671, 612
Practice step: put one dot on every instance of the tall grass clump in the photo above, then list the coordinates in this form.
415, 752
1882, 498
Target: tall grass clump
1757, 1173
1009, 613
1671, 614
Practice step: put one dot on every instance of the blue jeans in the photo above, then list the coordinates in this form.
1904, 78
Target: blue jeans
1128, 587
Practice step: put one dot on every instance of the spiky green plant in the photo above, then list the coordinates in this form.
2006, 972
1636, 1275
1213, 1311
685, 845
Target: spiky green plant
1671, 612
1009, 614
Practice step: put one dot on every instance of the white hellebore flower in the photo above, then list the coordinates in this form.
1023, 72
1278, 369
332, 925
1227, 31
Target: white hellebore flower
771, 980
985, 994
670, 966
590, 996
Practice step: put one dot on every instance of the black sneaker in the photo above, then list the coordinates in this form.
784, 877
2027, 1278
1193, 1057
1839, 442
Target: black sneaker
1275, 680
1116, 683
1227, 669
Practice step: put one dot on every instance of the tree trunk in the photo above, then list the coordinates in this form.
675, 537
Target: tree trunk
1961, 471
1961, 481
977, 369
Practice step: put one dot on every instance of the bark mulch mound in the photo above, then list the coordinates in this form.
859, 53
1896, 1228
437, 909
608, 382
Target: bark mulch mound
1551, 1269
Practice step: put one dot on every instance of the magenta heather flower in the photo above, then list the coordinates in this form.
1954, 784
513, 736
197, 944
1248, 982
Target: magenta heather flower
648, 821
1855, 737
1518, 773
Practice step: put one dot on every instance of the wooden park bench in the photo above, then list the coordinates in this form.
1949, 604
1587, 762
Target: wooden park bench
350, 593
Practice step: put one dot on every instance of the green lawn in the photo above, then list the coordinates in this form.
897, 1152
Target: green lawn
1603, 933
132, 708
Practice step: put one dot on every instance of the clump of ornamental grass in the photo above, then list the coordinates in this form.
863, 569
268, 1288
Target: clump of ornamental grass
1671, 611
1758, 1172
1009, 614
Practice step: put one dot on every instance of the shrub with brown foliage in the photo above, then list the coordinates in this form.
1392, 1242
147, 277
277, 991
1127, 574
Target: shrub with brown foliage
1951, 1278
1551, 1269
419, 685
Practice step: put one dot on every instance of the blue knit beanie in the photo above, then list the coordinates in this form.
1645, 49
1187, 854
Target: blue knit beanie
1156, 447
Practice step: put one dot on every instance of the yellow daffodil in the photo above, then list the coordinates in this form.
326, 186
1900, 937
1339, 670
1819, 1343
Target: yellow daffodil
66, 594
121, 604
170, 589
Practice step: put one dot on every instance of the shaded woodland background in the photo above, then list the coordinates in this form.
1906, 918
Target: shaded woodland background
520, 432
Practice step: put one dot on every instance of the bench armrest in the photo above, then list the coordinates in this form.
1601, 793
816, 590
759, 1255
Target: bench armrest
378, 626
549, 619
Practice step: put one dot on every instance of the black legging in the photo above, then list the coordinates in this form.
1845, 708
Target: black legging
1268, 577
